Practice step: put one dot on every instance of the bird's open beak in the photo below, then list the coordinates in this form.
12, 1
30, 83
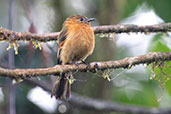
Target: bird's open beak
91, 19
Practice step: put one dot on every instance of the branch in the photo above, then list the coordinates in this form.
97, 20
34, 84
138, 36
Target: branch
86, 103
133, 28
8, 35
92, 67
108, 106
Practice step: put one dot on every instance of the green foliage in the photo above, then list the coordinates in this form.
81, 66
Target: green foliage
162, 8
160, 71
130, 7
145, 96
158, 45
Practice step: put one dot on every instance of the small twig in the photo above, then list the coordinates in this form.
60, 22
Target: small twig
11, 107
92, 67
6, 34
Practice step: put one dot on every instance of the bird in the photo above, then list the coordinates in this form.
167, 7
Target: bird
76, 43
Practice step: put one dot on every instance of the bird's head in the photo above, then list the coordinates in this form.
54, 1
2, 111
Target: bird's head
78, 19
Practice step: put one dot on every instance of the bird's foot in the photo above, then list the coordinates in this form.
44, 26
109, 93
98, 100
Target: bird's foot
87, 64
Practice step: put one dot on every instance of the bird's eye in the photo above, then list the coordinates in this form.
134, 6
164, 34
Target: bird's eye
81, 19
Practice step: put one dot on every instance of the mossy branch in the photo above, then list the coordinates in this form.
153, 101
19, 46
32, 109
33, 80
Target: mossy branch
92, 67
8, 35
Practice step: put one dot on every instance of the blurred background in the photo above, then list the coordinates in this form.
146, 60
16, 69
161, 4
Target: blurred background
127, 86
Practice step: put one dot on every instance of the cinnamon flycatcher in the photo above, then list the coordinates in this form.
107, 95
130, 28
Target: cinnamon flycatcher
76, 43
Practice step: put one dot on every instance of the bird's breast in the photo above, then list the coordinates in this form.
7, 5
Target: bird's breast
78, 45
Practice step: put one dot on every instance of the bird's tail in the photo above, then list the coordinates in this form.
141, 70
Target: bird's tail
62, 87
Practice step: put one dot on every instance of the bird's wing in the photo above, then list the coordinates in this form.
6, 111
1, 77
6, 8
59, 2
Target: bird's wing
62, 38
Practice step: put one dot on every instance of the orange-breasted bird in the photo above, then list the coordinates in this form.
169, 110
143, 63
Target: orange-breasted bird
76, 43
